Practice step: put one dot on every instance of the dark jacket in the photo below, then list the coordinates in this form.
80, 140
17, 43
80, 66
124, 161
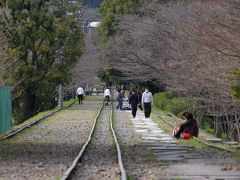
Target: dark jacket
120, 95
190, 126
134, 99
129, 97
140, 97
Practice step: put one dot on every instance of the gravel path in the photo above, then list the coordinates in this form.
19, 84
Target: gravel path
139, 162
100, 160
208, 163
46, 150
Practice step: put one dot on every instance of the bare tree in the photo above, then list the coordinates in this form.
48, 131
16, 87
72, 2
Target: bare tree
191, 47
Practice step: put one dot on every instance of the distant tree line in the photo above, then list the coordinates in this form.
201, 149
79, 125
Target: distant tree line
111, 11
92, 3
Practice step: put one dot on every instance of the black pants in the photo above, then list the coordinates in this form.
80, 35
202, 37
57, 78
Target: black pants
147, 109
134, 110
80, 98
107, 100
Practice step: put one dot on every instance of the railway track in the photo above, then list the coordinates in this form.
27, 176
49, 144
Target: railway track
197, 139
30, 124
87, 157
183, 161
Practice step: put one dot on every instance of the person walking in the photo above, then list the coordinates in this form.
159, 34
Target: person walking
80, 93
140, 99
147, 101
134, 101
120, 97
107, 96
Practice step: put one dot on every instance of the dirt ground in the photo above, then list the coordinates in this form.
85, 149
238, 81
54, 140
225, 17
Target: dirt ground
46, 150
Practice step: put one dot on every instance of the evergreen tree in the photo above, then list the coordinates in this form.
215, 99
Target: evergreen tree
92, 3
111, 10
46, 44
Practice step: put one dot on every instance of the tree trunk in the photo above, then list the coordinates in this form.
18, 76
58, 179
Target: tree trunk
29, 103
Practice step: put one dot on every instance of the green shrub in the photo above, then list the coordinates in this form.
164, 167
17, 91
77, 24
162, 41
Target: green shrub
161, 100
170, 102
178, 105
208, 124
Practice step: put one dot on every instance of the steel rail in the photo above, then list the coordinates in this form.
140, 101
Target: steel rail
70, 170
68, 173
30, 124
199, 140
120, 162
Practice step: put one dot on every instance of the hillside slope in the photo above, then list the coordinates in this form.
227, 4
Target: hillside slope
84, 73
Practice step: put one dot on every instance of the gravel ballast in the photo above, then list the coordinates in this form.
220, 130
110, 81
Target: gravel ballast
138, 161
141, 163
47, 149
100, 160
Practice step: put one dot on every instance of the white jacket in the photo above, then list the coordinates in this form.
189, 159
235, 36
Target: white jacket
147, 97
80, 91
107, 93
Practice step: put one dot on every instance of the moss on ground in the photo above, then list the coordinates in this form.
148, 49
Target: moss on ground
129, 177
93, 98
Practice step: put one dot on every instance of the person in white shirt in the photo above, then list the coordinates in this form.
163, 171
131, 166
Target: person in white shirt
147, 101
80, 93
107, 95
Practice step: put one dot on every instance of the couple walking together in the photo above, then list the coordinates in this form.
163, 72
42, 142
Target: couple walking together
146, 101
